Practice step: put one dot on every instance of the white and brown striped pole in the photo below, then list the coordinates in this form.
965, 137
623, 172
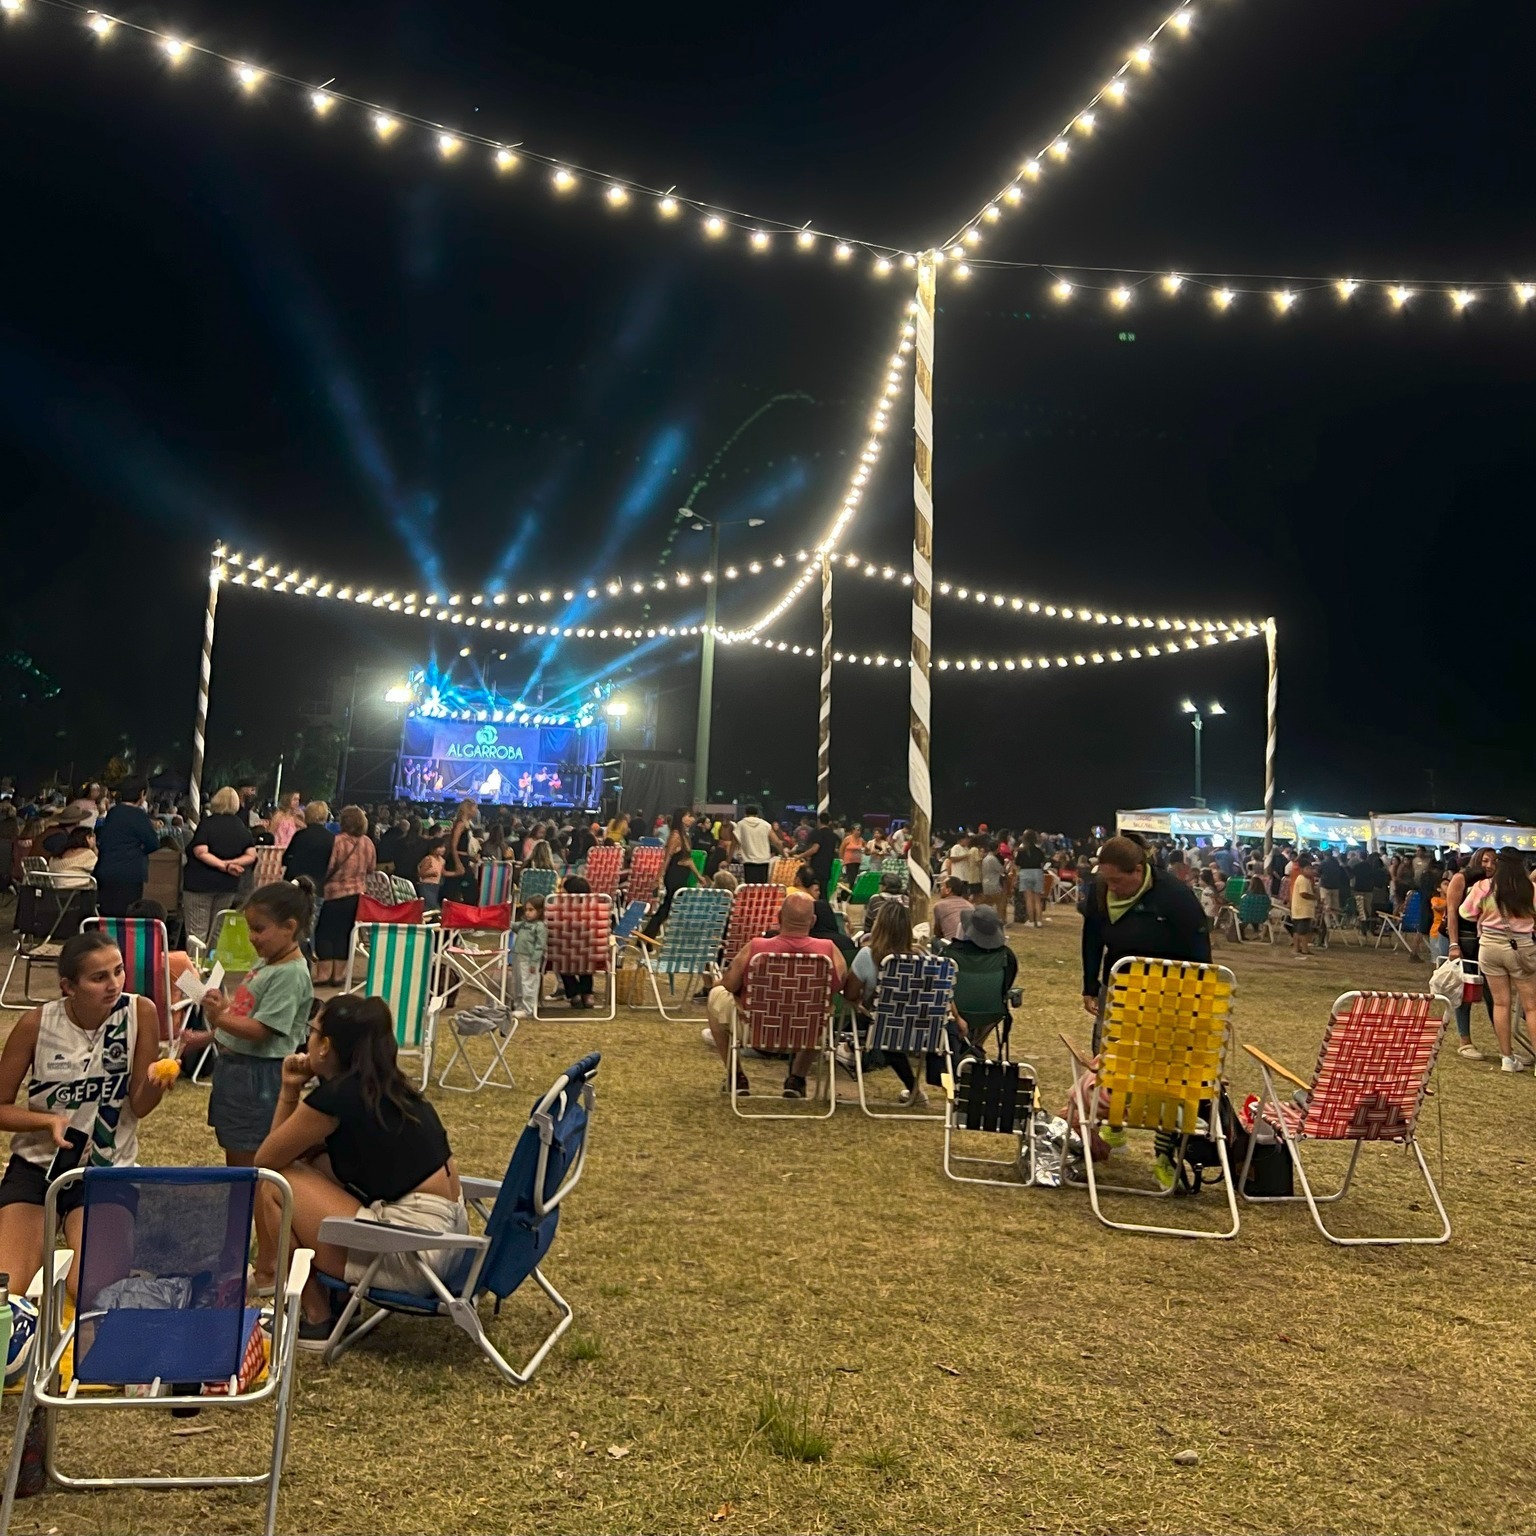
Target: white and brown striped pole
205, 672
824, 740
1269, 742
919, 778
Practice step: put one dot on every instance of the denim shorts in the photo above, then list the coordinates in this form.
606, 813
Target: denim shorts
1032, 880
243, 1097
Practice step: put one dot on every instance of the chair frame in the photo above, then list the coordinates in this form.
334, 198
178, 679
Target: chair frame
28, 954
1088, 1118
478, 1079
382, 1239
610, 885
653, 954
1270, 1069
487, 967
1393, 923
872, 1027
167, 1015
1024, 1159
612, 952
824, 1048
53, 1339
432, 1006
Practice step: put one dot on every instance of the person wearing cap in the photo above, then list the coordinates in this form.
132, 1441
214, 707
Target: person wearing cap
796, 918
986, 971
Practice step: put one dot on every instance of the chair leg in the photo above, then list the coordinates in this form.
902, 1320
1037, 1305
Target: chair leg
671, 1018
467, 1316
24, 1413
281, 1410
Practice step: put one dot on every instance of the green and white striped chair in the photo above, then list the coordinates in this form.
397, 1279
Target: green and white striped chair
400, 964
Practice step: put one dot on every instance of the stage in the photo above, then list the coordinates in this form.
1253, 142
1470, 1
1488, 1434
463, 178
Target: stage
500, 764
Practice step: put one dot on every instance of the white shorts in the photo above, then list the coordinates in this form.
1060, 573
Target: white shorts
400, 1271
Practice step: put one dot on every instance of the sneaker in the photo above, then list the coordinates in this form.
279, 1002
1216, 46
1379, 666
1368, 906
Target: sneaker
1112, 1135
1523, 1059
1512, 1064
743, 1088
313, 1337
708, 1035
1164, 1171
844, 1055
917, 1097
794, 1087
1469, 1052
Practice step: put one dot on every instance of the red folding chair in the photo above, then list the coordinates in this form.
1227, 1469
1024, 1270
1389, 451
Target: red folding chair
581, 943
1371, 1080
268, 868
754, 910
644, 872
785, 1005
476, 949
604, 865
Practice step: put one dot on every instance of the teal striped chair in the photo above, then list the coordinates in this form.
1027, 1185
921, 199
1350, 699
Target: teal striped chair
399, 962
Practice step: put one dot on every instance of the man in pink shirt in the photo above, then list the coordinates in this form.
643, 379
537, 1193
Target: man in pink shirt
795, 919
947, 912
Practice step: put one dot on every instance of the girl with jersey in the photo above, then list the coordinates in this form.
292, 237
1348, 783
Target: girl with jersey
86, 1059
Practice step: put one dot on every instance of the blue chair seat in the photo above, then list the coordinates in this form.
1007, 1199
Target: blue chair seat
194, 1344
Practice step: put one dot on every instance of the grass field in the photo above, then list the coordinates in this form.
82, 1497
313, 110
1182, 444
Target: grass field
950, 1358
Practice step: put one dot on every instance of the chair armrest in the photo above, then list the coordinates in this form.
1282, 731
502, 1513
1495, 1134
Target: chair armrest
384, 1237
298, 1271
1274, 1066
479, 1189
1079, 1055
62, 1259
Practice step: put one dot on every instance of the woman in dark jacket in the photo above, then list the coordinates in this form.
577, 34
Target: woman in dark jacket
125, 838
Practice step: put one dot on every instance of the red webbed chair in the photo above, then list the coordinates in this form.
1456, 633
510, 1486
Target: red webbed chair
604, 865
644, 873
785, 1005
580, 927
754, 910
1371, 1080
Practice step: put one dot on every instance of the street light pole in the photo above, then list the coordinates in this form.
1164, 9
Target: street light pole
1197, 720
706, 677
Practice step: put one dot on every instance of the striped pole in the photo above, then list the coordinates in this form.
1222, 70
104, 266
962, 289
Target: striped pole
824, 743
205, 671
919, 849
1269, 744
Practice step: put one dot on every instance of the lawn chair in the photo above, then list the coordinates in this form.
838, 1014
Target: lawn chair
896, 865
48, 909
1227, 922
754, 910
783, 870
1161, 1067
1400, 925
1254, 911
864, 887
401, 965
1234, 890
981, 994
604, 866
231, 945
496, 882
520, 1225
476, 950
164, 880
495, 1025
997, 1098
581, 943
268, 868
785, 1005
162, 1306
629, 920
536, 882
1370, 1083
146, 953
910, 1014
644, 873
690, 943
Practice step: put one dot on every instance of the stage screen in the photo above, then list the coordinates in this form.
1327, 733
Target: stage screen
507, 764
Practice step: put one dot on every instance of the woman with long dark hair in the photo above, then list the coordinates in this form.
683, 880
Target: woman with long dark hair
890, 935
387, 1155
1464, 945
677, 868
1504, 906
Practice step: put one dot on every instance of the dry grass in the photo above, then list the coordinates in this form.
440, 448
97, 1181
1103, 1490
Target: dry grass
987, 1360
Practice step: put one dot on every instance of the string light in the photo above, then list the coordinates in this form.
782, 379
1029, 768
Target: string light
1120, 297
616, 195
505, 160
448, 145
175, 49
1461, 298
562, 179
99, 24
384, 125
1223, 297
1525, 292
321, 102
1283, 299
667, 207
248, 76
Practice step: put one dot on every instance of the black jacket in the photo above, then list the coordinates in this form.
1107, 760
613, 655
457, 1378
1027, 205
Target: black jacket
1166, 924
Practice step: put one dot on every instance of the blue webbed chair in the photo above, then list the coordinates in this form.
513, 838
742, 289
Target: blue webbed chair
910, 1014
161, 1307
520, 1213
690, 943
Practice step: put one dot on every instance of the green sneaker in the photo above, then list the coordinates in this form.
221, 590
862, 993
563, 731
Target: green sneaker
1112, 1135
1164, 1171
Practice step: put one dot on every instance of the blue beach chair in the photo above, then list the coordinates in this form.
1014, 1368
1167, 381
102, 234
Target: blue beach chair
535, 882
910, 1009
520, 1214
161, 1306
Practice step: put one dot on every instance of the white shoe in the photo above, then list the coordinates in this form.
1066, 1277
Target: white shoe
1513, 1064
1470, 1052
708, 1035
916, 1098
844, 1055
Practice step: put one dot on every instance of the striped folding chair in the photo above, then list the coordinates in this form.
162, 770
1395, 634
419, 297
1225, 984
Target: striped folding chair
268, 868
536, 882
996, 1098
1161, 1067
581, 942
910, 1012
604, 865
785, 1005
754, 910
476, 950
782, 871
400, 964
146, 952
644, 873
1371, 1079
496, 883
690, 943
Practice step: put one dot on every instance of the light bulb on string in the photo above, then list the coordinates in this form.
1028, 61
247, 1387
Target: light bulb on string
384, 125
843, 250
448, 145
1525, 292
1062, 290
617, 196
1462, 298
1172, 282
1400, 296
1120, 297
248, 76
1182, 20
714, 226
505, 160
321, 102
1222, 298
667, 207
101, 25
1283, 299
175, 49
759, 240
562, 179
1346, 287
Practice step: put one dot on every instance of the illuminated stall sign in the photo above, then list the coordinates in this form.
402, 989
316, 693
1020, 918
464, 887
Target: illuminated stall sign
1491, 834
1420, 830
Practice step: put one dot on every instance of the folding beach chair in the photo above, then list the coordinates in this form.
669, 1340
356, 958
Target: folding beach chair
268, 868
476, 950
604, 865
161, 1306
48, 909
1370, 1083
910, 1014
998, 1098
785, 1005
400, 964
581, 943
146, 952
494, 1025
1165, 1029
629, 921
690, 943
1226, 922
496, 882
981, 995
783, 870
1400, 926
754, 910
536, 882
231, 945
1253, 911
864, 887
644, 873
519, 1227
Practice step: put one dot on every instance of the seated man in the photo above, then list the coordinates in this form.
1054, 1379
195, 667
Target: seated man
796, 917
947, 912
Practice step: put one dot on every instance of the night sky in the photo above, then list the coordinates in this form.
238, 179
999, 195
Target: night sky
221, 319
